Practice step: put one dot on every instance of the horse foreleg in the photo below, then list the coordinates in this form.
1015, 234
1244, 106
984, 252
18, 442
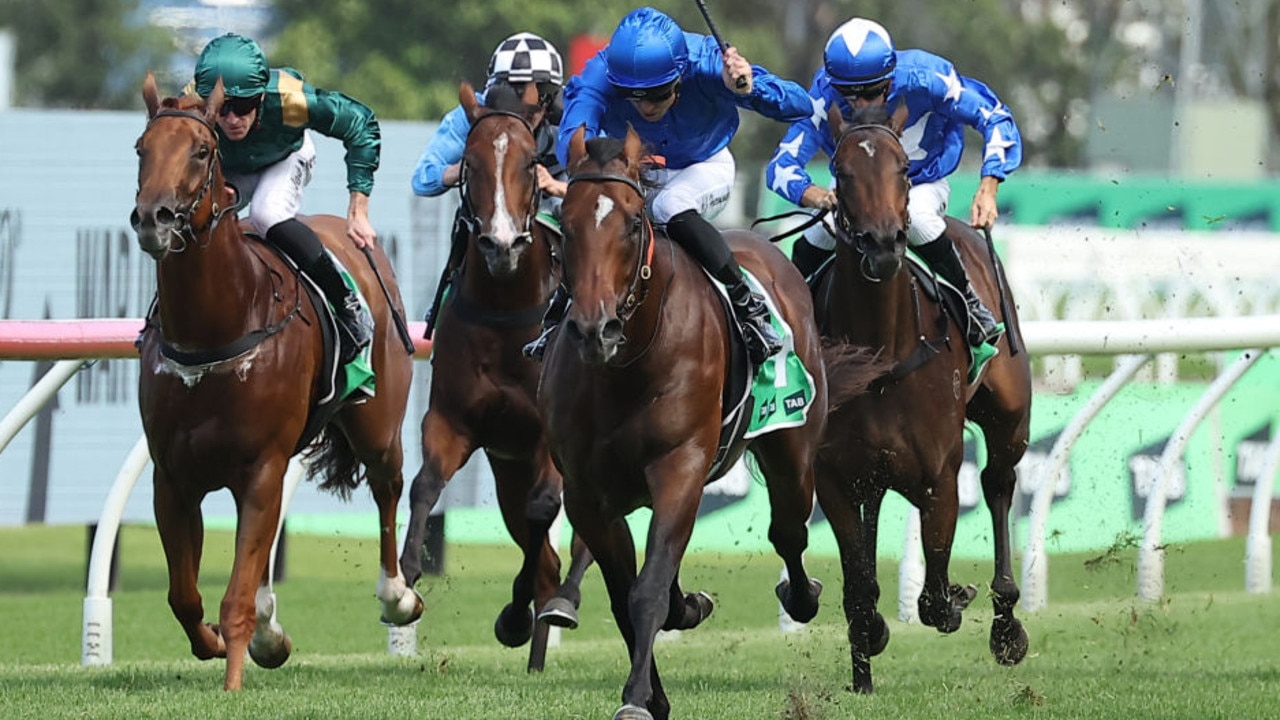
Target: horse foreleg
562, 610
181, 529
444, 450
258, 495
686, 611
1008, 637
940, 603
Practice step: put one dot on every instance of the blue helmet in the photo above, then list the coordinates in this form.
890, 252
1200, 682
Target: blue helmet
646, 51
859, 52
238, 61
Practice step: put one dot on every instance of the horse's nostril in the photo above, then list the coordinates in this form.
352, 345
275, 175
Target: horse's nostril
135, 219
612, 331
486, 243
165, 216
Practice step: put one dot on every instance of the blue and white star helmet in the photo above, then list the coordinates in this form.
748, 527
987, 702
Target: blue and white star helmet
859, 52
525, 57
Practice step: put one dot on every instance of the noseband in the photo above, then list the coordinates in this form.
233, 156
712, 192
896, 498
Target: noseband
639, 288
184, 227
468, 216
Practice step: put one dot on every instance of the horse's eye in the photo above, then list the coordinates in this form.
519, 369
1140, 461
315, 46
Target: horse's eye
202, 153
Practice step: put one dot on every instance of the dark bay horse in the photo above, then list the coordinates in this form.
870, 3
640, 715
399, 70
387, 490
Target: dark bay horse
234, 418
483, 390
907, 435
632, 392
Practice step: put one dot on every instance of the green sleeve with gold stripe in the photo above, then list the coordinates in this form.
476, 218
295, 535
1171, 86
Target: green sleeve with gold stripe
337, 116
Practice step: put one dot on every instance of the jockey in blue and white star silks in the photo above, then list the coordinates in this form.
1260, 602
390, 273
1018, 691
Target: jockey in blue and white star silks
861, 67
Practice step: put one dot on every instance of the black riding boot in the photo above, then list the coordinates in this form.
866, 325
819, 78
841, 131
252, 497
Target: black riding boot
942, 257
556, 309
701, 239
300, 243
457, 249
808, 257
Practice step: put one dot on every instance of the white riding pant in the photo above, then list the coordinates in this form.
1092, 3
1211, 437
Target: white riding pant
926, 206
703, 187
275, 194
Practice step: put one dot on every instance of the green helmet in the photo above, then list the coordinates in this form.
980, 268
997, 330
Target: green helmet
238, 61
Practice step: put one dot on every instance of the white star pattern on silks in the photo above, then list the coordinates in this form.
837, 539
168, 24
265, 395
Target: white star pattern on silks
999, 109
784, 176
819, 112
789, 148
997, 145
954, 88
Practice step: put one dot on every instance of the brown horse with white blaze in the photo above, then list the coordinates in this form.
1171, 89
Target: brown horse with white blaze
908, 434
231, 370
633, 387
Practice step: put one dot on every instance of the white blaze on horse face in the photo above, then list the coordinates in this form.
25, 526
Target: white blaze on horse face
503, 226
604, 206
868, 147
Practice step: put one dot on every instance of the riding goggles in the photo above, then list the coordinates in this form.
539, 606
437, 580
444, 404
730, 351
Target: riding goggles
240, 106
869, 91
655, 94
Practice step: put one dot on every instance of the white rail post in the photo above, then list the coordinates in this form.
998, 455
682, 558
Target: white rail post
1257, 544
39, 394
96, 644
1151, 554
911, 571
1035, 562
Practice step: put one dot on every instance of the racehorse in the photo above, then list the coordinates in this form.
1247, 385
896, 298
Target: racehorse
231, 371
907, 435
633, 387
483, 390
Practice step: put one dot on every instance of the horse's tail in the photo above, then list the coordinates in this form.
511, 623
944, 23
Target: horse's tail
850, 371
332, 458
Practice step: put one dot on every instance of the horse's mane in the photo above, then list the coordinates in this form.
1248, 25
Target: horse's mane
504, 98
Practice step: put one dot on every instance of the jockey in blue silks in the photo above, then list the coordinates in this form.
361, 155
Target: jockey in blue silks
861, 67
680, 92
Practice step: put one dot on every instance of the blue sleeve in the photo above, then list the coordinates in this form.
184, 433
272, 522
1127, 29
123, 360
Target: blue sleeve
446, 148
770, 95
786, 173
586, 98
974, 104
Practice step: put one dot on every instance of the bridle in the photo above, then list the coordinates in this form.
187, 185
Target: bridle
859, 240
468, 215
638, 290
183, 225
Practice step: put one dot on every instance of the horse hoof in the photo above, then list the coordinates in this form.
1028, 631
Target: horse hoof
271, 655
962, 596
861, 679
399, 615
703, 603
514, 626
632, 712
802, 609
879, 637
1008, 640
559, 612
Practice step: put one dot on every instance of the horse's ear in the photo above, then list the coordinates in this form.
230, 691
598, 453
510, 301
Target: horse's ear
534, 111
898, 119
578, 145
213, 104
836, 121
467, 98
632, 148
151, 95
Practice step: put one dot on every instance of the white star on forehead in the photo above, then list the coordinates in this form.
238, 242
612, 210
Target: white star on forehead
954, 88
789, 148
999, 109
997, 145
819, 112
783, 176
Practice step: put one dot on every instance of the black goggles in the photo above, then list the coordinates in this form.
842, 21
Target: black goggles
869, 91
652, 94
240, 106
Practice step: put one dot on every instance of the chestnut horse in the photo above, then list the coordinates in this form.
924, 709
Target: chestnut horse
632, 393
908, 435
233, 418
483, 390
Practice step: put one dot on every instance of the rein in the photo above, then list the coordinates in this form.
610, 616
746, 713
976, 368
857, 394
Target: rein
639, 288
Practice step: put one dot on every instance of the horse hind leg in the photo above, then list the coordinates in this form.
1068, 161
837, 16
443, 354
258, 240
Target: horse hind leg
181, 530
687, 610
1008, 636
401, 603
790, 486
270, 645
562, 610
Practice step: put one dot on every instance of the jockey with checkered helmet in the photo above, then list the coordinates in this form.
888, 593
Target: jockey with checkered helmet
267, 156
861, 67
520, 59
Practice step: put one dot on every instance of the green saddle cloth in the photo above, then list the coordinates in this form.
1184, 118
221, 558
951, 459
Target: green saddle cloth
782, 390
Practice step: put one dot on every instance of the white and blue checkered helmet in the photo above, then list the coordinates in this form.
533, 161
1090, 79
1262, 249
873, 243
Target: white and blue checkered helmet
525, 57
